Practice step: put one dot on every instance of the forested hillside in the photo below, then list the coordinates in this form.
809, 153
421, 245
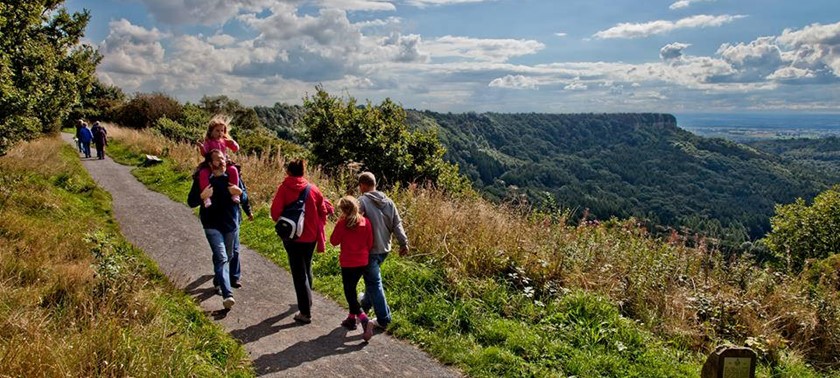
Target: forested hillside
623, 165
822, 154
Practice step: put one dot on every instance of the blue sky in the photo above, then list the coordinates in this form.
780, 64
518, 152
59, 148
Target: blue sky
557, 56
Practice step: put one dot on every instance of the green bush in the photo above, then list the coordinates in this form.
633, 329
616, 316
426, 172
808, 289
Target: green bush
801, 232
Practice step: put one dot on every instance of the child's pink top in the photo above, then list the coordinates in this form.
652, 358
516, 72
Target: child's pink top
219, 144
355, 242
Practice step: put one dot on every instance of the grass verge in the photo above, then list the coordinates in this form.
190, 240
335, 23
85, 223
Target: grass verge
76, 299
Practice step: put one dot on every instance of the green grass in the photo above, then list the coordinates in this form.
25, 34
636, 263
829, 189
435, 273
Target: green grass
76, 298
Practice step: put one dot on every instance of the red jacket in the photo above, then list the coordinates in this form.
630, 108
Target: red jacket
355, 242
314, 206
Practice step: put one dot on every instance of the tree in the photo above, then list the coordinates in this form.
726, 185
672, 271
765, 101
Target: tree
44, 70
801, 232
145, 109
377, 137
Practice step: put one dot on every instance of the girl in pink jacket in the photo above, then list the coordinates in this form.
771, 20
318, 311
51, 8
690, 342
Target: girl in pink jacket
355, 235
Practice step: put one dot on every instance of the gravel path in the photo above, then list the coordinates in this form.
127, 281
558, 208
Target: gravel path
262, 318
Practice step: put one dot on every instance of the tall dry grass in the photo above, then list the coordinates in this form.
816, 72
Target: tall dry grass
60, 314
688, 295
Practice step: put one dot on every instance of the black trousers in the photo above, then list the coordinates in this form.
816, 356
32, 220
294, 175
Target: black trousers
350, 278
300, 263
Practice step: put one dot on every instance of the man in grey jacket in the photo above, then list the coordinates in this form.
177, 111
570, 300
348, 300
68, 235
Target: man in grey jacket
386, 221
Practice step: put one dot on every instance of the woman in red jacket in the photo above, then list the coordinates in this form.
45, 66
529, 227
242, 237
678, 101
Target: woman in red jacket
355, 234
300, 250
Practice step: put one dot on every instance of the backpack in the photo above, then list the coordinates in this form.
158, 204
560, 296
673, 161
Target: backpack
290, 225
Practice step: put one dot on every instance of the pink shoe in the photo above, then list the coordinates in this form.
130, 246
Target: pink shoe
235, 199
207, 202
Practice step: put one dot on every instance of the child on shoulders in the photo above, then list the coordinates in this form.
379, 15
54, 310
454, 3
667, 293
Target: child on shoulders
217, 138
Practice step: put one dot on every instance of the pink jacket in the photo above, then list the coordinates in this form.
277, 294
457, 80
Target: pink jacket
219, 144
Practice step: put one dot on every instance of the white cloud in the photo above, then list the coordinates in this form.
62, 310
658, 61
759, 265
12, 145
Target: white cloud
815, 47
515, 82
560, 34
576, 86
684, 4
647, 29
132, 50
492, 50
203, 12
425, 3
672, 51
359, 5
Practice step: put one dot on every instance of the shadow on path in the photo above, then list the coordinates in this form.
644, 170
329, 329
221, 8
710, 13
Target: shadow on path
265, 327
194, 289
331, 344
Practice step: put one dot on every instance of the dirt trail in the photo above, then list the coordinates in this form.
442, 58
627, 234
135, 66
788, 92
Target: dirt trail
262, 320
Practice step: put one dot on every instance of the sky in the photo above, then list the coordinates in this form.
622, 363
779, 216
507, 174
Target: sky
548, 56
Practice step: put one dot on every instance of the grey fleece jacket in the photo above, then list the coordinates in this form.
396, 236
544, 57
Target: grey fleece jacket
385, 219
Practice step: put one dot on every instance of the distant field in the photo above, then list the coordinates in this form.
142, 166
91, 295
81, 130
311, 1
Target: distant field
752, 127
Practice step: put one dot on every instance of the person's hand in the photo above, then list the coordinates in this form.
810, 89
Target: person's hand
235, 190
207, 192
403, 250
251, 217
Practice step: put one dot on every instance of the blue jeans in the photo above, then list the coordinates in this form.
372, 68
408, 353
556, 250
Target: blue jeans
374, 291
221, 244
86, 149
235, 268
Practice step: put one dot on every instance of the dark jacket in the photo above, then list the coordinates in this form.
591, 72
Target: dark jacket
100, 135
223, 215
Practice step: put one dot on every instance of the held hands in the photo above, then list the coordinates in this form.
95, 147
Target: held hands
403, 250
251, 217
207, 192
235, 190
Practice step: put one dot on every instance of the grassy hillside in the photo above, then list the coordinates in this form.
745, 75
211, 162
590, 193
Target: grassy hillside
76, 299
623, 165
496, 293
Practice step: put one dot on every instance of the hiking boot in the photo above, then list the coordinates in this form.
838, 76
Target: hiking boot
367, 327
376, 323
228, 303
349, 323
301, 318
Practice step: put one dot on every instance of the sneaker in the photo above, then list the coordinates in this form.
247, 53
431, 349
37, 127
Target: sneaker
349, 323
218, 290
236, 284
228, 303
207, 202
366, 305
303, 318
367, 327
235, 199
376, 324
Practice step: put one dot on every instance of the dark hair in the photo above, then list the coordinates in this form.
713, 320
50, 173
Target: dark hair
208, 160
296, 167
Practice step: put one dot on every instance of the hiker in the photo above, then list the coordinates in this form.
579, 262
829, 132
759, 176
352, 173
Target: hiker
217, 138
100, 139
220, 221
85, 136
355, 235
385, 220
300, 250
79, 127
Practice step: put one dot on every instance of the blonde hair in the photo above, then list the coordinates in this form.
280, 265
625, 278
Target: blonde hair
349, 207
218, 119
